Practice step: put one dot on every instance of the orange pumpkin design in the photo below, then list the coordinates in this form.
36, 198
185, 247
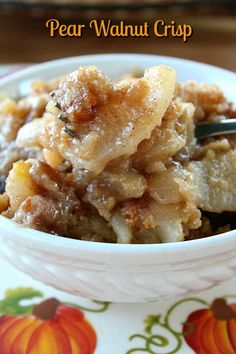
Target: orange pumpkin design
213, 330
52, 328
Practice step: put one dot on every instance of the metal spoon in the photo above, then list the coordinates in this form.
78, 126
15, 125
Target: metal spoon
205, 130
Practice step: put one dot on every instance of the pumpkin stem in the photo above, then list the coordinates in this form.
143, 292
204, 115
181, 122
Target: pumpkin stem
47, 309
222, 311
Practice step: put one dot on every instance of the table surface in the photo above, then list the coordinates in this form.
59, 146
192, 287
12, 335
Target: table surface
25, 39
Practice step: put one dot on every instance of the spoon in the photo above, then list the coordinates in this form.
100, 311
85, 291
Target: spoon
205, 130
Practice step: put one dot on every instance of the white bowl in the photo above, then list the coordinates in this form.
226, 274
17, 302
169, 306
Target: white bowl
115, 272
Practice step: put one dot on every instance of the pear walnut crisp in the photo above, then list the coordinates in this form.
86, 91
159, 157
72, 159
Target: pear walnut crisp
88, 158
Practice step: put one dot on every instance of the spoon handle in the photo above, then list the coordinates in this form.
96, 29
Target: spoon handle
205, 130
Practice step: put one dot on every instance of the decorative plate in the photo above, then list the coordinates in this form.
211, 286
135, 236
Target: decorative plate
36, 319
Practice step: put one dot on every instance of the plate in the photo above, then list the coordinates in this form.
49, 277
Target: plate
108, 328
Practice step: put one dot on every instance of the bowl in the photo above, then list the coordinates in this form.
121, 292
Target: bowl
116, 272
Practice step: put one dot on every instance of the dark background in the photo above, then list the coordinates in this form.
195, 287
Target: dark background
25, 39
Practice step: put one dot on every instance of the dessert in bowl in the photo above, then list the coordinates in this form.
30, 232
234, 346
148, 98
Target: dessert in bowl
103, 177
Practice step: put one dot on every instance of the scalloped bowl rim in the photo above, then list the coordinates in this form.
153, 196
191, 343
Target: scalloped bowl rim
27, 234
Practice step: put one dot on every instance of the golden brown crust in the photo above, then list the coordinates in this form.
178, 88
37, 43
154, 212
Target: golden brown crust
116, 161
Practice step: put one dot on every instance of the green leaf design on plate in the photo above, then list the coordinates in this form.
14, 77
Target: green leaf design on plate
153, 341
100, 306
11, 304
